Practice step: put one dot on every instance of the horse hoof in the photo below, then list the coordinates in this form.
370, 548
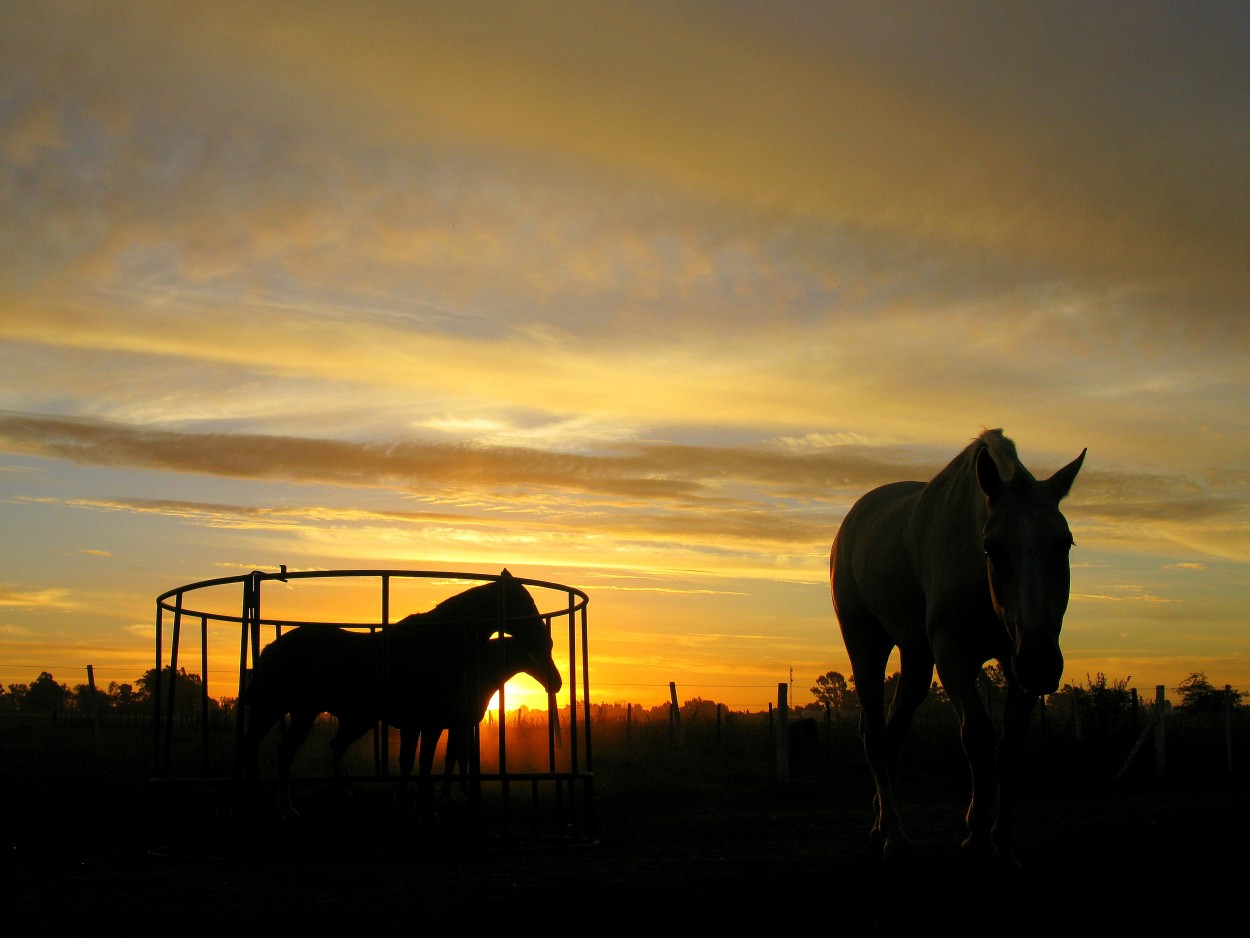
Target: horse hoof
979, 850
898, 849
1005, 854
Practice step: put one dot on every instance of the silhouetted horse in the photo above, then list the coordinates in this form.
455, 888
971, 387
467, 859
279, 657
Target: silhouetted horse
970, 566
502, 660
408, 674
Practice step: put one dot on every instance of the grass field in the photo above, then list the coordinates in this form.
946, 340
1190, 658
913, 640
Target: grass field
703, 834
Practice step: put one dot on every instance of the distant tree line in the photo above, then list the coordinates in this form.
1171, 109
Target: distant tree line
46, 695
1099, 698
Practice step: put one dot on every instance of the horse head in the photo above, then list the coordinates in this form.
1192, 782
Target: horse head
543, 669
1026, 540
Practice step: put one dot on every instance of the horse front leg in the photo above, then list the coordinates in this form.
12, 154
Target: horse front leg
976, 732
1016, 716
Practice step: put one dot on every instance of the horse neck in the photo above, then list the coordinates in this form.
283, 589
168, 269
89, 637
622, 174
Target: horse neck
483, 606
499, 663
953, 501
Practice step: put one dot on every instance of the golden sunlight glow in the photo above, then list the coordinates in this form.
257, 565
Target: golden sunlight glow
637, 298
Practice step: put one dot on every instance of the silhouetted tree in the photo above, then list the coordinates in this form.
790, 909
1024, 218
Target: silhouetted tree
45, 694
698, 708
992, 686
831, 691
16, 695
1198, 696
188, 689
81, 696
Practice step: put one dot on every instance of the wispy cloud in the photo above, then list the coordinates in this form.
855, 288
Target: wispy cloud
54, 598
627, 288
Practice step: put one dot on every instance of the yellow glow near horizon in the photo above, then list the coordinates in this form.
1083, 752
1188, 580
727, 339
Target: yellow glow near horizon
637, 298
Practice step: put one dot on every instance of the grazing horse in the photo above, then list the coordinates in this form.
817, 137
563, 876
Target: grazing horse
969, 567
398, 674
501, 662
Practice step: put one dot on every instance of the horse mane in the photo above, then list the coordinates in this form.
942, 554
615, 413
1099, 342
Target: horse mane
1001, 449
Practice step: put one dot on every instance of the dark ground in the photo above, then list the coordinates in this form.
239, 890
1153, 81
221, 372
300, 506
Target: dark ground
686, 842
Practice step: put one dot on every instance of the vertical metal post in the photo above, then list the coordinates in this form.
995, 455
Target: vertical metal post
204, 688
240, 714
783, 733
249, 635
382, 678
585, 681
504, 788
156, 696
173, 684
574, 764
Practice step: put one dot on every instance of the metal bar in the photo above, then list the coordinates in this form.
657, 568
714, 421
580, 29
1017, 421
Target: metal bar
382, 741
173, 683
204, 688
240, 715
504, 790
250, 620
156, 697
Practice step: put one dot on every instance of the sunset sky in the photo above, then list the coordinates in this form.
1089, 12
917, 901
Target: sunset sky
637, 297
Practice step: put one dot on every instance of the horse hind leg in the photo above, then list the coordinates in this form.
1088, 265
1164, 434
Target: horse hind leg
869, 648
914, 680
349, 730
292, 738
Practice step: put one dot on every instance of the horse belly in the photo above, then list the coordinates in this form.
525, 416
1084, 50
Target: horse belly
873, 573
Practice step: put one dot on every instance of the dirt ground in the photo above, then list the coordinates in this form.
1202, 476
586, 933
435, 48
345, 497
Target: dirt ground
751, 854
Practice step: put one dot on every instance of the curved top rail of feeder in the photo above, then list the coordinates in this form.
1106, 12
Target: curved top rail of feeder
165, 600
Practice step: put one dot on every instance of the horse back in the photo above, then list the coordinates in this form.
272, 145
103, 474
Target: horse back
314, 670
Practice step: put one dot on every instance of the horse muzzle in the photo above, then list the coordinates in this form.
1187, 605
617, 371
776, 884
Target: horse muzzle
1038, 673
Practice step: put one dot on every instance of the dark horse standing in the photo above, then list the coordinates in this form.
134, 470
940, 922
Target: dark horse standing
412, 675
969, 567
501, 662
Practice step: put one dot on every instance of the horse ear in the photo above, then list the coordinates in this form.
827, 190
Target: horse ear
1061, 482
987, 475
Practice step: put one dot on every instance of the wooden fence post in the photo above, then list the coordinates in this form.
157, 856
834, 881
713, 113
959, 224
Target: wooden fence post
1161, 759
1228, 726
674, 716
783, 733
93, 704
1076, 713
